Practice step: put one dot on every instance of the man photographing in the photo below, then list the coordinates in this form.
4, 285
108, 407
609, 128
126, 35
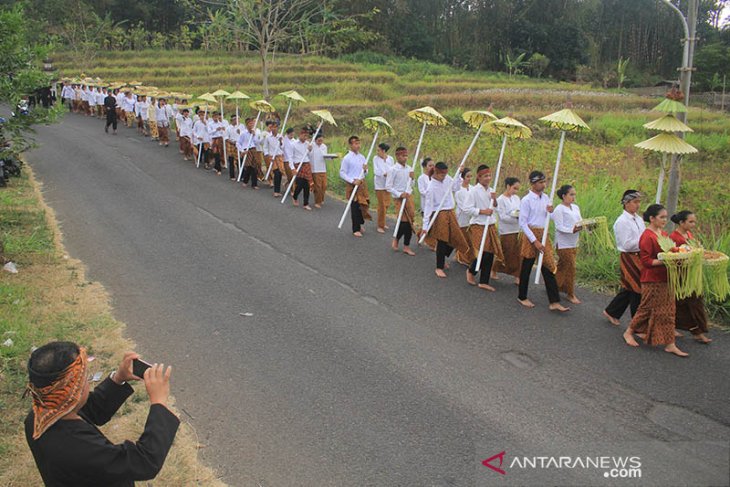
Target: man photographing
61, 429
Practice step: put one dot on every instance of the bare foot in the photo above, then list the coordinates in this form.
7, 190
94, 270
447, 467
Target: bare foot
381, 230
526, 303
470, 278
675, 350
486, 287
256, 188
446, 265
678, 334
307, 207
440, 273
629, 338
408, 251
394, 245
700, 337
277, 195
244, 185
317, 205
573, 299
387, 227
611, 319
357, 234
295, 202
494, 276
517, 281
558, 307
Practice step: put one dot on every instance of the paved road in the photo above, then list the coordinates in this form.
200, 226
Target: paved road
358, 366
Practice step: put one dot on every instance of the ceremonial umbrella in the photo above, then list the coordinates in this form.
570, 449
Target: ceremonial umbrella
376, 124
260, 106
222, 94
238, 96
510, 128
293, 97
670, 106
476, 119
665, 143
427, 116
565, 120
324, 116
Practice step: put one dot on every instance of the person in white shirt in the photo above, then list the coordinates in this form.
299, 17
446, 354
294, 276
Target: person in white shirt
233, 133
462, 217
427, 167
78, 102
534, 209
508, 210
178, 121
480, 208
275, 156
128, 107
301, 152
143, 115
90, 97
399, 183
286, 147
445, 228
67, 95
185, 126
566, 217
319, 170
382, 163
201, 140
247, 144
353, 169
217, 131
152, 118
163, 123
627, 229
99, 95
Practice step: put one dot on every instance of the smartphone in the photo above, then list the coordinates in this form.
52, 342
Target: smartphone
139, 366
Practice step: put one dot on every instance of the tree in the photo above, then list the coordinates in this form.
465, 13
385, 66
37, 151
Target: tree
621, 71
514, 64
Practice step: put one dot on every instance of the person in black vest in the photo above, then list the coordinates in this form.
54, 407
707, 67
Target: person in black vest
110, 104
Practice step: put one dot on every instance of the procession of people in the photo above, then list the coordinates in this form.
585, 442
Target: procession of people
466, 221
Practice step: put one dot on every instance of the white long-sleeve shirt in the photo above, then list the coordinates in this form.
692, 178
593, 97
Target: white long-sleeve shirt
565, 219
67, 92
161, 116
233, 132
286, 147
319, 165
533, 213
461, 197
200, 132
100, 97
351, 167
143, 108
300, 152
216, 129
380, 170
508, 224
272, 146
480, 198
247, 140
398, 180
185, 125
436, 191
90, 97
628, 229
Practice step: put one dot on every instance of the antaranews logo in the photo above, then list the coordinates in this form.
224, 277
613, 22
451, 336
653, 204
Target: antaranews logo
611, 466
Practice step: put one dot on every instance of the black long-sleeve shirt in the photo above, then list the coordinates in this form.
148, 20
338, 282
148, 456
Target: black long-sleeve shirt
76, 453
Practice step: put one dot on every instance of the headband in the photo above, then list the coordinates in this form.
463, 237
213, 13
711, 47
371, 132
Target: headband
482, 171
537, 177
54, 401
630, 197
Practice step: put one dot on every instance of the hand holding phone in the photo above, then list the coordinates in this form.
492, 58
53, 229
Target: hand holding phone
139, 366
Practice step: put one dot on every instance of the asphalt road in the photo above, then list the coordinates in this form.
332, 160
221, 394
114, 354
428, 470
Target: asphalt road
306, 357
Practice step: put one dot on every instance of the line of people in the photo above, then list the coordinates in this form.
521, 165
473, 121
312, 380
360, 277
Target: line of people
462, 209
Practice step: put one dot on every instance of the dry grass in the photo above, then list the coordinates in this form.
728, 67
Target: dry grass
50, 298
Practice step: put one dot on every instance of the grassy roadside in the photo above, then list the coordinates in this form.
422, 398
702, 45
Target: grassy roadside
51, 299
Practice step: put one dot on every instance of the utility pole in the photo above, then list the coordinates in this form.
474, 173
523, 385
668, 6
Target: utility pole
690, 37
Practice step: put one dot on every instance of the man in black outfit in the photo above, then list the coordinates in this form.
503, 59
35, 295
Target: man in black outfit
110, 104
61, 429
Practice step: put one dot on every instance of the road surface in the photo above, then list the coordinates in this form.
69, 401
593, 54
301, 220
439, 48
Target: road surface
306, 357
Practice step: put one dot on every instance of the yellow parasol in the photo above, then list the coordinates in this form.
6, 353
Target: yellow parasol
668, 123
262, 106
293, 97
565, 120
670, 106
376, 124
207, 97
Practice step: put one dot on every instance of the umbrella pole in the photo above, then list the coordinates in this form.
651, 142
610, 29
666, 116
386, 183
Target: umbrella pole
446, 194
250, 138
362, 174
238, 151
283, 128
660, 184
499, 163
225, 153
296, 168
546, 227
413, 166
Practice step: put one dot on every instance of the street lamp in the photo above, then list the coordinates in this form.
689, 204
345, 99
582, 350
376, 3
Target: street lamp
689, 24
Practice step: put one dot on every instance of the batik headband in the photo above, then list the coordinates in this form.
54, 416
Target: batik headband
537, 178
482, 171
57, 399
630, 197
